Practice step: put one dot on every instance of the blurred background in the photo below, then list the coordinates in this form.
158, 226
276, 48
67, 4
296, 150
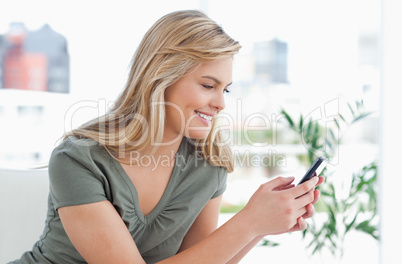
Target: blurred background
307, 82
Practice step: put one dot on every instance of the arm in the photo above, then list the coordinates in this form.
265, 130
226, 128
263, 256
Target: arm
100, 236
205, 223
208, 219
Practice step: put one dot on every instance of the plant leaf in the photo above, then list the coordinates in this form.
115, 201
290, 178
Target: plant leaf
301, 123
349, 226
351, 110
268, 243
361, 116
288, 118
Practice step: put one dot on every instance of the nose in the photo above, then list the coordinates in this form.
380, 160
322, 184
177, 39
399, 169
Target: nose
218, 102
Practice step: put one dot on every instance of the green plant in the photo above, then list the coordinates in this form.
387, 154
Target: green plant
356, 208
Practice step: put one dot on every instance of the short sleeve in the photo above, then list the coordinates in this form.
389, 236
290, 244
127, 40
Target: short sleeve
222, 177
72, 178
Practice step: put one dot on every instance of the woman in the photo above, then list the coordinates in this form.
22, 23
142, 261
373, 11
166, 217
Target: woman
143, 184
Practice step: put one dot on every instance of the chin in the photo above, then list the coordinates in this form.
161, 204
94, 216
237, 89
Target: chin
198, 134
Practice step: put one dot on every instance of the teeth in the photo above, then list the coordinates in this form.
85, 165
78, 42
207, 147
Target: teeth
206, 117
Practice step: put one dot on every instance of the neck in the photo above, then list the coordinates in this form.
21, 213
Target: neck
165, 150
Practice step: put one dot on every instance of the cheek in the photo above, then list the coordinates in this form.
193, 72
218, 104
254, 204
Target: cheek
182, 100
190, 102
191, 98
174, 114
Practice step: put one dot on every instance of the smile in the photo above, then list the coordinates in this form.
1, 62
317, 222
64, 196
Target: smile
206, 117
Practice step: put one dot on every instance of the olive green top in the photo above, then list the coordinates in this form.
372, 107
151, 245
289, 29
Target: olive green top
81, 171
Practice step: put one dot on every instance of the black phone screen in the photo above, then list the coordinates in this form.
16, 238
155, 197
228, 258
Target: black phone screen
317, 167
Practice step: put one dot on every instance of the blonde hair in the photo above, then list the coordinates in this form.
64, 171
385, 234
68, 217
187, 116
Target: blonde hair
175, 44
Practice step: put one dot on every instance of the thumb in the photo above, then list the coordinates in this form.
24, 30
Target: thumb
280, 182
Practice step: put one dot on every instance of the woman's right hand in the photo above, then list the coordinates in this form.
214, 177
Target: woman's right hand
277, 206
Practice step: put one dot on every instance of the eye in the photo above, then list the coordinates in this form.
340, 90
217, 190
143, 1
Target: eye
226, 91
208, 86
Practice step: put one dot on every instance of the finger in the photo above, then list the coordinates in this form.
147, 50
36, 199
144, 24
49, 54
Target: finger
320, 180
286, 187
305, 187
310, 211
301, 211
299, 225
305, 199
279, 182
317, 195
302, 223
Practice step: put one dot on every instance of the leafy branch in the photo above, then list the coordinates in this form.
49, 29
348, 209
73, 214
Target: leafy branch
343, 213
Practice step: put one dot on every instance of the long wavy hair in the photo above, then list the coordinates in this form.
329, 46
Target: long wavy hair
174, 45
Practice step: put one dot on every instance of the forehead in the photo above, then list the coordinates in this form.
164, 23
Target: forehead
221, 70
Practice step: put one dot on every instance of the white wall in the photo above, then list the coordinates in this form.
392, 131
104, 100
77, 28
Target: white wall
23, 206
391, 134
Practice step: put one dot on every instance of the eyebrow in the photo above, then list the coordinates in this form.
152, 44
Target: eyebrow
214, 79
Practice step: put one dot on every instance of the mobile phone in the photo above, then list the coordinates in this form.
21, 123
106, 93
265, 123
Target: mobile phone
317, 167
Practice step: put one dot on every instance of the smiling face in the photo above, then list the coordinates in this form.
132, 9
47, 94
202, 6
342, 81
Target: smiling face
194, 99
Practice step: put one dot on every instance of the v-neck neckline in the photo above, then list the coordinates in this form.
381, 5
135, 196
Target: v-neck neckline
146, 219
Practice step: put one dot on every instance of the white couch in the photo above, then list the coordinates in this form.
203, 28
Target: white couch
23, 207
